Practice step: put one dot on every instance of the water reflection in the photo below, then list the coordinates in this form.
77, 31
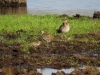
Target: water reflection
44, 71
13, 10
49, 71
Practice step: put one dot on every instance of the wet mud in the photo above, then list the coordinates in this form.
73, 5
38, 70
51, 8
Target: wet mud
58, 54
88, 70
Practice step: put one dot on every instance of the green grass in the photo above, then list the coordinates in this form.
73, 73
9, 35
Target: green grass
48, 23
32, 24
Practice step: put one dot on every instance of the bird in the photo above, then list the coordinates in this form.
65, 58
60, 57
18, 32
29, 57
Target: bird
36, 43
64, 28
46, 37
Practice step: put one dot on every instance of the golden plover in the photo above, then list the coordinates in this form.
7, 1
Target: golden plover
64, 28
46, 37
36, 43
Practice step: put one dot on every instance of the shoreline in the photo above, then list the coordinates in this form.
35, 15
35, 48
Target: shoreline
61, 12
28, 11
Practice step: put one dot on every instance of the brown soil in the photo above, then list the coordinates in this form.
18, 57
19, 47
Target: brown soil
58, 54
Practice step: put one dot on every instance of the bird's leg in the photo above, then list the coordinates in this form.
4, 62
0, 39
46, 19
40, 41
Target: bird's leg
64, 37
47, 45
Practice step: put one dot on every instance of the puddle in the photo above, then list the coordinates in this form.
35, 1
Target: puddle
95, 55
49, 71
43, 71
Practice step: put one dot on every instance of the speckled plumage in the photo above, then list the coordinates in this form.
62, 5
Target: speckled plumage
64, 28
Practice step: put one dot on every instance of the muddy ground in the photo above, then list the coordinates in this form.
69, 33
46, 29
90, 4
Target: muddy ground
58, 54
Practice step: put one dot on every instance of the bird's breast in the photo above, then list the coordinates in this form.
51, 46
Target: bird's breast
65, 29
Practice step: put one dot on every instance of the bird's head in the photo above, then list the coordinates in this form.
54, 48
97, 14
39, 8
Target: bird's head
65, 22
42, 32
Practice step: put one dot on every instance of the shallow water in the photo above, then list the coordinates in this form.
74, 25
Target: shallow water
49, 71
70, 7
44, 71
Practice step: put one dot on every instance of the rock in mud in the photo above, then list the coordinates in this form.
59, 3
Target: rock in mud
59, 73
77, 72
91, 70
96, 14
